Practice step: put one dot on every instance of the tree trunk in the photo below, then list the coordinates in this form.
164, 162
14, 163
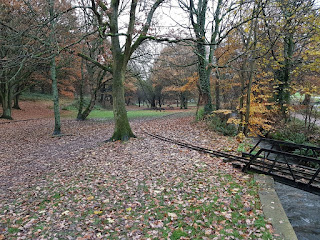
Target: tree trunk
55, 95
153, 102
16, 101
183, 101
186, 103
122, 129
198, 21
241, 100
81, 99
121, 57
83, 115
283, 76
307, 99
217, 90
53, 74
204, 80
248, 100
6, 101
93, 95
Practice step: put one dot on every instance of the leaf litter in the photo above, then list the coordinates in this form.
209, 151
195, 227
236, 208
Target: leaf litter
77, 187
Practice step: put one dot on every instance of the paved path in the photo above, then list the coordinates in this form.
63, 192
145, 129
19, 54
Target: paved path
302, 117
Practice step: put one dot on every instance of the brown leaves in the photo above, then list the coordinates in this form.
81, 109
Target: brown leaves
140, 189
156, 224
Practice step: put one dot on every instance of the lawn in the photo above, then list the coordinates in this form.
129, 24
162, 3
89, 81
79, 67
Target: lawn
103, 114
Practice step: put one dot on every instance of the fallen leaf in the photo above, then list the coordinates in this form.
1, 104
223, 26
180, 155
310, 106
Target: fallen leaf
208, 231
172, 215
90, 198
156, 224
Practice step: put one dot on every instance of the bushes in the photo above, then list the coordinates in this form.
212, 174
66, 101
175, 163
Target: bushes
221, 125
218, 122
295, 131
200, 114
289, 136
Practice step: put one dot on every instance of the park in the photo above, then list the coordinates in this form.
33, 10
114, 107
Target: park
142, 119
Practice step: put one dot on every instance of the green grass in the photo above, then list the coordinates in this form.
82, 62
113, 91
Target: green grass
103, 114
13, 230
35, 96
208, 208
245, 146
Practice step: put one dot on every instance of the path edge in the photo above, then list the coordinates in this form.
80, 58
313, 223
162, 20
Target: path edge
272, 208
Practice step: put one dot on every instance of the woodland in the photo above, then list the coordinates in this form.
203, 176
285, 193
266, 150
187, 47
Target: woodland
83, 81
248, 58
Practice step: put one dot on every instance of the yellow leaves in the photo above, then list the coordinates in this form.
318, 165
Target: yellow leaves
98, 212
223, 111
276, 66
233, 121
235, 190
90, 198
309, 89
240, 137
171, 89
128, 209
316, 38
261, 113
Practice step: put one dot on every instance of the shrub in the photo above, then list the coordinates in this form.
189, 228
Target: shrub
295, 132
289, 136
200, 114
219, 125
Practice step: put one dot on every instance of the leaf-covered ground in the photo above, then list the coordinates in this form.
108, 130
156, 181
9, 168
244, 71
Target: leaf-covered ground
78, 187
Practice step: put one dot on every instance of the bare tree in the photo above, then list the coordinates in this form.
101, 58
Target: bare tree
15, 52
211, 24
108, 16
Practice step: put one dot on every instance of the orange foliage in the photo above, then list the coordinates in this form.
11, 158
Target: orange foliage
174, 72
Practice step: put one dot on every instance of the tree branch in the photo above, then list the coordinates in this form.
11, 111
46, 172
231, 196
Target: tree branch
146, 27
103, 67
